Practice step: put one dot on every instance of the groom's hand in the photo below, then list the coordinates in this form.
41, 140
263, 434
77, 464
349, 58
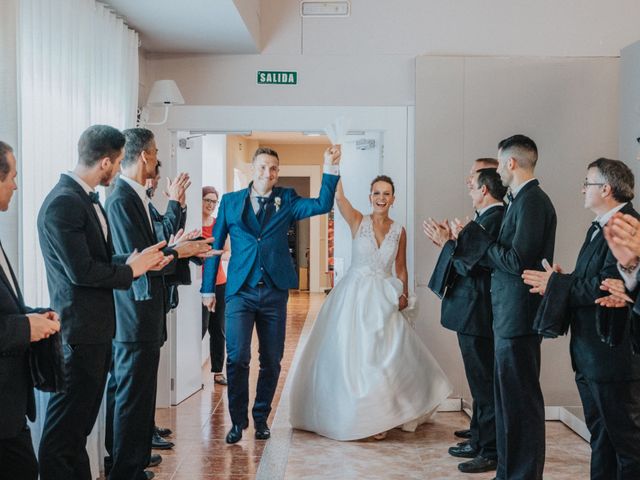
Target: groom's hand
209, 303
332, 155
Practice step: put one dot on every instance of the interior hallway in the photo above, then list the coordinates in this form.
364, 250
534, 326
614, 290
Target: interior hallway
200, 424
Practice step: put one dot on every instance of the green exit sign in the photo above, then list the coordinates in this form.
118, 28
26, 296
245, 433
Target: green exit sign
277, 78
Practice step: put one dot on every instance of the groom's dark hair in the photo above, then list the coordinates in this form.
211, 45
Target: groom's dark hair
265, 151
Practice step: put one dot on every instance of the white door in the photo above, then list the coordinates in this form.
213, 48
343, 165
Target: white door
186, 324
361, 162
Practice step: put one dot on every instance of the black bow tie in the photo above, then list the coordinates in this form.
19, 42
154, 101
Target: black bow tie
95, 197
510, 197
596, 225
149, 191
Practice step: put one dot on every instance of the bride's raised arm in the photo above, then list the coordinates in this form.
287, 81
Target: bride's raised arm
350, 214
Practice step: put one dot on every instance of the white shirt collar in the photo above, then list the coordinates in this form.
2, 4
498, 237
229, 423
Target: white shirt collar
139, 189
488, 207
85, 186
603, 219
519, 187
254, 194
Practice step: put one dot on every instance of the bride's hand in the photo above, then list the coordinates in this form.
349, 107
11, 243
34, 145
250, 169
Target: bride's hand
403, 302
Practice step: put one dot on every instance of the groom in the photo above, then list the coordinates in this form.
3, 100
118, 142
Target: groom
260, 273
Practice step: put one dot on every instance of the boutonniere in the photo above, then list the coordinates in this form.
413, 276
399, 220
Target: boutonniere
277, 201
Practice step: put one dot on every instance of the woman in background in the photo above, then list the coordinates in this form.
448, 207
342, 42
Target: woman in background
213, 314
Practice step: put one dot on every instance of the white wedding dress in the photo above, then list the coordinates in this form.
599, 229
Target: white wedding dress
364, 370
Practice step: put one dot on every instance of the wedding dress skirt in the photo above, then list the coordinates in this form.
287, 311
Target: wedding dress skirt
364, 370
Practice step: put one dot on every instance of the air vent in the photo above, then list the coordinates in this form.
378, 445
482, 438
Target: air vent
325, 9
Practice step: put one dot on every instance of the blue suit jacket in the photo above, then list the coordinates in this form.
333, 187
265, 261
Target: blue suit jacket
266, 243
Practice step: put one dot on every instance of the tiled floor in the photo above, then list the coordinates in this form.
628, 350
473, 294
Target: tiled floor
201, 422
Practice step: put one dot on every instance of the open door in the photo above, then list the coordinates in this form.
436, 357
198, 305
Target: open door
361, 162
186, 322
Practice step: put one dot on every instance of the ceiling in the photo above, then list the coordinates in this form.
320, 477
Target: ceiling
193, 26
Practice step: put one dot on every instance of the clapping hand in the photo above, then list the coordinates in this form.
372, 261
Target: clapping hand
456, 227
151, 258
177, 188
438, 233
43, 325
537, 279
617, 297
621, 234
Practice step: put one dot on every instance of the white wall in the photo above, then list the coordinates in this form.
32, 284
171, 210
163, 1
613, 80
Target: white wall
629, 105
464, 107
368, 58
9, 225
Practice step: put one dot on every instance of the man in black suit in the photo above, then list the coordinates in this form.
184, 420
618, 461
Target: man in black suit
608, 376
82, 272
140, 310
19, 327
466, 309
526, 237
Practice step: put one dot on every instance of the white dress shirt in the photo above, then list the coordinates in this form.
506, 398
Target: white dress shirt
142, 193
88, 189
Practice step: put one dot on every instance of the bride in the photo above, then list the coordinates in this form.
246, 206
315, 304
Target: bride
363, 370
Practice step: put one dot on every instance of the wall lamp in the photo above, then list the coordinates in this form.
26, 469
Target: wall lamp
164, 93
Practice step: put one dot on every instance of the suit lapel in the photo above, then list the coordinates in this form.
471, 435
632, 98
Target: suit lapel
17, 294
139, 205
248, 215
66, 180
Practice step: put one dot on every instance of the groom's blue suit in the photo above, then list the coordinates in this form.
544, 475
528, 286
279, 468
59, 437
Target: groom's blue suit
260, 273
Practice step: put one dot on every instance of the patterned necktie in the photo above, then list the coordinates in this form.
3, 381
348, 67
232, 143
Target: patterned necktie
95, 197
262, 201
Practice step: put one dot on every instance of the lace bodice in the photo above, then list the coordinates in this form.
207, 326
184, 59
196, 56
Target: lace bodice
366, 255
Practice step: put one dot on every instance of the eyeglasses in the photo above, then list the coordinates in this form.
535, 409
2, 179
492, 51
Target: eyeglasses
208, 201
586, 184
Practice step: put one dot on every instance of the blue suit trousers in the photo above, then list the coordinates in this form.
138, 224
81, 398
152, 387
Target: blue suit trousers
266, 308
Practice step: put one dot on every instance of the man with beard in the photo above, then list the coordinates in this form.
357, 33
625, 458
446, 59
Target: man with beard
82, 272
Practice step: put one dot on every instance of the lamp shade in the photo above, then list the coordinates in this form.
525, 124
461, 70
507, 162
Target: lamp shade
165, 92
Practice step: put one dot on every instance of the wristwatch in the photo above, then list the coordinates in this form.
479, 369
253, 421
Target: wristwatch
631, 267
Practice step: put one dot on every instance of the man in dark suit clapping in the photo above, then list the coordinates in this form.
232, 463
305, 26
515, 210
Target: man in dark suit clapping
19, 327
140, 310
607, 369
82, 272
526, 237
466, 309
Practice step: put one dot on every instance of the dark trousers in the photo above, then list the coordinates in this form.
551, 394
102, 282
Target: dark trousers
17, 458
612, 414
519, 408
72, 414
135, 372
477, 356
214, 323
266, 308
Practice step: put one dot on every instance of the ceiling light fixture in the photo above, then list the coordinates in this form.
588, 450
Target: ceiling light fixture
325, 9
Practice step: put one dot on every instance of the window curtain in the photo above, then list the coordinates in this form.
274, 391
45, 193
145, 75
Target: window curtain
77, 66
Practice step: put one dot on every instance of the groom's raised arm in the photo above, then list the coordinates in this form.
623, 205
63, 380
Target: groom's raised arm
308, 207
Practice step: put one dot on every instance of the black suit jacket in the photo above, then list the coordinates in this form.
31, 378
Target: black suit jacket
466, 306
139, 317
82, 270
526, 237
166, 225
590, 356
16, 387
